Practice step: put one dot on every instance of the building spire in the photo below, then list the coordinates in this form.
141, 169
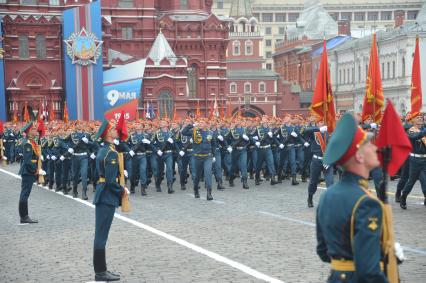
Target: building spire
241, 8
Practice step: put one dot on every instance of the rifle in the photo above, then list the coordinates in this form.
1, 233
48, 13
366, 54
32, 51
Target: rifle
125, 204
388, 244
2, 154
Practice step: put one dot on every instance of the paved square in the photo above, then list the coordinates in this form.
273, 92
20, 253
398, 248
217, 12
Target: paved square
261, 234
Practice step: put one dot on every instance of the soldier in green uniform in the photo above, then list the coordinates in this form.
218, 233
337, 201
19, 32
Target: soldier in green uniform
28, 170
107, 197
349, 218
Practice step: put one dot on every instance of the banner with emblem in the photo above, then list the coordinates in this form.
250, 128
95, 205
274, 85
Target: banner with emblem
82, 33
3, 113
122, 90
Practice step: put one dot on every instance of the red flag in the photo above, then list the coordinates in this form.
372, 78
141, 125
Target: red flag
122, 128
416, 83
222, 109
1, 127
40, 128
66, 117
373, 99
392, 134
26, 113
322, 101
51, 113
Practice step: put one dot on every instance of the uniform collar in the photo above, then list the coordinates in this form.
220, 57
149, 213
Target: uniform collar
352, 177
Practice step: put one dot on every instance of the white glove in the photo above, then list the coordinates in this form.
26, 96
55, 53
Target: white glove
41, 157
85, 140
293, 134
116, 142
229, 149
132, 153
126, 190
62, 158
257, 144
256, 138
399, 252
170, 140
374, 126
4, 158
191, 140
214, 159
306, 144
159, 152
323, 129
146, 141
245, 137
219, 137
102, 144
54, 158
182, 153
270, 134
325, 166
4, 140
93, 156
70, 150
12, 135
125, 174
278, 136
41, 172
281, 146
48, 157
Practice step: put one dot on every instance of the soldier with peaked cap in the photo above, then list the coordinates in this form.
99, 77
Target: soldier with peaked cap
28, 170
349, 218
107, 197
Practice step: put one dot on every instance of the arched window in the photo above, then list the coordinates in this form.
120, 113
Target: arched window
233, 88
262, 87
249, 47
403, 67
165, 102
192, 80
236, 48
247, 87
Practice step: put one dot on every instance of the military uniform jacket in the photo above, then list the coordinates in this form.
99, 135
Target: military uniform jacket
349, 227
29, 158
108, 190
315, 138
235, 138
161, 143
418, 139
264, 138
203, 141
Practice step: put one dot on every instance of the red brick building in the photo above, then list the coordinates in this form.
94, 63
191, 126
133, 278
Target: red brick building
196, 74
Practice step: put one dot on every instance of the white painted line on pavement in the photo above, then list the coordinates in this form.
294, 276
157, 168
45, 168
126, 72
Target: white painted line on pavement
179, 241
306, 223
203, 198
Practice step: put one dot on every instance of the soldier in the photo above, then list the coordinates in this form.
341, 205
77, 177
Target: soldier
107, 197
28, 170
417, 160
220, 143
9, 140
185, 157
349, 218
140, 145
164, 147
319, 137
238, 140
263, 142
203, 155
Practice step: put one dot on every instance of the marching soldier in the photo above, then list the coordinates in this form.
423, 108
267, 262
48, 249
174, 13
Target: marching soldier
203, 155
107, 197
185, 158
417, 160
238, 140
220, 143
140, 145
28, 170
349, 236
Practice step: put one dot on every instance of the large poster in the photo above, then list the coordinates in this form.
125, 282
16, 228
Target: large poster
3, 107
82, 32
122, 90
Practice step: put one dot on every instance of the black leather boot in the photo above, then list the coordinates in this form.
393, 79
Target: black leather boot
304, 178
132, 187
209, 194
196, 193
94, 186
245, 185
231, 182
274, 180
99, 264
220, 186
74, 192
280, 178
23, 213
170, 188
157, 184
65, 190
310, 201
58, 188
84, 196
294, 182
183, 187
143, 190
398, 195
403, 201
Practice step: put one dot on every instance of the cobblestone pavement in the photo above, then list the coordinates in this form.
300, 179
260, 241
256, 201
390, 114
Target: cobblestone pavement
264, 231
